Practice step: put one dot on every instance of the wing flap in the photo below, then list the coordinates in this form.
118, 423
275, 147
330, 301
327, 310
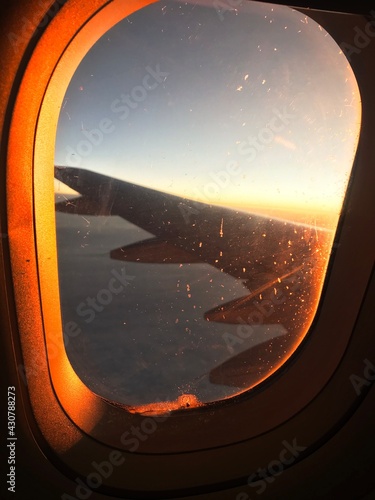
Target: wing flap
154, 251
245, 368
272, 298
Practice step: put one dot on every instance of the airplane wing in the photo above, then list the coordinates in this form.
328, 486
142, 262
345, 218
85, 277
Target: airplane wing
271, 257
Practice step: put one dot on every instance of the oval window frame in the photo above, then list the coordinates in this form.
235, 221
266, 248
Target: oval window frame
33, 263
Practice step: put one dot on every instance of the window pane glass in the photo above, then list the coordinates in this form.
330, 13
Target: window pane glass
202, 158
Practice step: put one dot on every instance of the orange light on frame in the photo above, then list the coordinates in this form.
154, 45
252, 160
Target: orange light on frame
30, 171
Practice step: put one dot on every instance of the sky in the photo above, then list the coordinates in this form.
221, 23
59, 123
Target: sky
253, 106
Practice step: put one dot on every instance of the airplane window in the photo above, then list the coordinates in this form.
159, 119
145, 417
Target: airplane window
202, 158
